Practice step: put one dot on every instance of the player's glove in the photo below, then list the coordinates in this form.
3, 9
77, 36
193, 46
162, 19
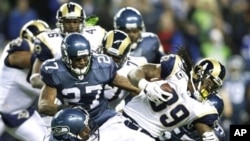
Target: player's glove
209, 136
153, 91
165, 136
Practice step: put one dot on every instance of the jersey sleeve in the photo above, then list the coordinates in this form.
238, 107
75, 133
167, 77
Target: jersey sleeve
208, 119
19, 45
167, 65
107, 68
49, 76
42, 51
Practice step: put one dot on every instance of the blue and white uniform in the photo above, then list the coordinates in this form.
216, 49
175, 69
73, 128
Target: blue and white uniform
88, 91
147, 46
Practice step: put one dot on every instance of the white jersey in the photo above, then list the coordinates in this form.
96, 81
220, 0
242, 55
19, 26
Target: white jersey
153, 118
52, 40
116, 95
15, 92
95, 35
157, 118
179, 110
50, 43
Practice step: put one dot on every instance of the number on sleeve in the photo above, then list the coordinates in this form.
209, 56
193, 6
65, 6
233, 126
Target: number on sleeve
103, 59
51, 66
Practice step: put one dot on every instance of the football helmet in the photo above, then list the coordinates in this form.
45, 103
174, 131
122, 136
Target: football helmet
207, 77
75, 45
116, 44
70, 11
33, 28
128, 18
69, 122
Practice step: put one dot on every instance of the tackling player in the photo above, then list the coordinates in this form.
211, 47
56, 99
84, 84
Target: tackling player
72, 124
116, 44
78, 78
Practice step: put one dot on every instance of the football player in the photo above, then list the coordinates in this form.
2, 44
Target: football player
78, 78
72, 124
17, 115
155, 111
70, 18
146, 44
116, 44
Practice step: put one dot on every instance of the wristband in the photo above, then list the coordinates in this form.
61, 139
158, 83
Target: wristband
142, 84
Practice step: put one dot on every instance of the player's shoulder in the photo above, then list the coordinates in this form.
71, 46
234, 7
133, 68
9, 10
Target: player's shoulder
149, 35
20, 44
101, 60
49, 34
51, 65
204, 111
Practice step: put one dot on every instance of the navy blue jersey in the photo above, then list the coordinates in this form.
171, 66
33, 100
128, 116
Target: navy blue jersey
148, 47
87, 91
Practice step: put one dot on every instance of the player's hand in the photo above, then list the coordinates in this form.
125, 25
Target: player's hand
209, 136
165, 136
153, 91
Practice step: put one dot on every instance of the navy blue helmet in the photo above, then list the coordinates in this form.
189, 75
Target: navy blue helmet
68, 122
128, 18
75, 45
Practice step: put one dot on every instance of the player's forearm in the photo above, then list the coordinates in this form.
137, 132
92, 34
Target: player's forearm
22, 62
47, 109
123, 82
134, 76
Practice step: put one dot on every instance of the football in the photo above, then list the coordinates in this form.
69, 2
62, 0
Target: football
166, 87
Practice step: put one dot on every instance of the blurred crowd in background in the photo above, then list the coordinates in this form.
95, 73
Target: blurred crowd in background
208, 28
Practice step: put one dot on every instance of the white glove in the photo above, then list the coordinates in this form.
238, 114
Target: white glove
165, 136
153, 91
209, 136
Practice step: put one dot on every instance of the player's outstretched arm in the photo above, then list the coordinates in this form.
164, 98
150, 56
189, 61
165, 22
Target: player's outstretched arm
46, 101
148, 71
122, 82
